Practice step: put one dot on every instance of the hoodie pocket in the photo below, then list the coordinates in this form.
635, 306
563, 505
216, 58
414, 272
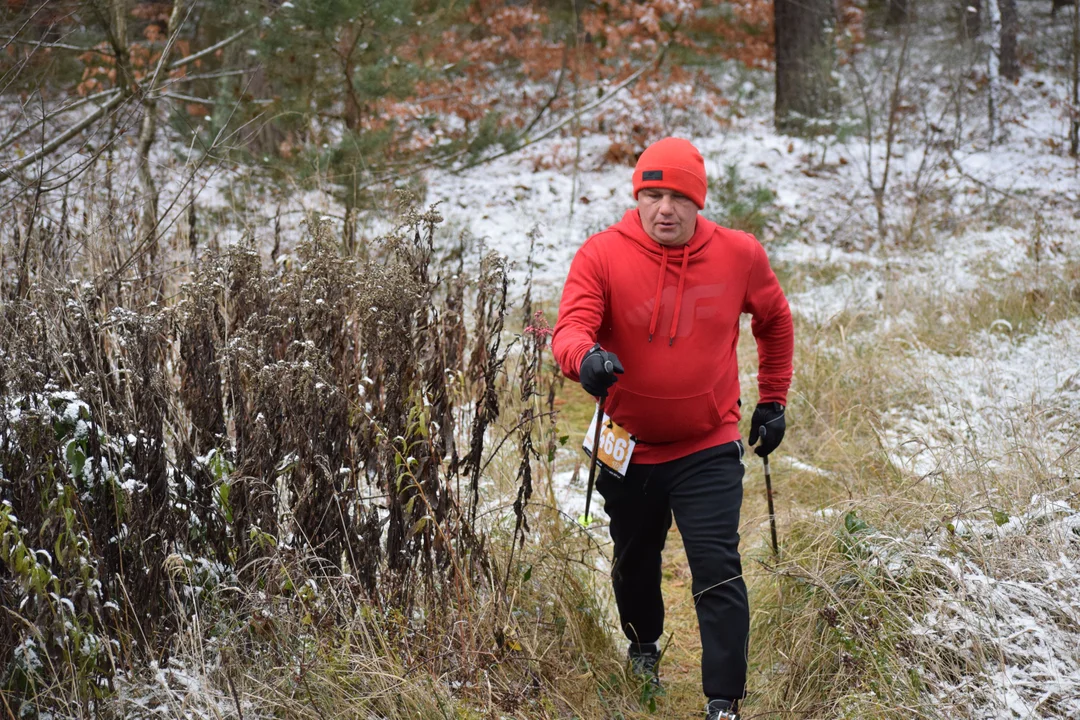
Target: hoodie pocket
663, 420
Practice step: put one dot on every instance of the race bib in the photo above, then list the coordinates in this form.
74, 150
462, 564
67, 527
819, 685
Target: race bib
616, 445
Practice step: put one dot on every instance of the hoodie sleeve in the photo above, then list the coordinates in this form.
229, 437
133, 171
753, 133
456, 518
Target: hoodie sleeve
772, 328
581, 310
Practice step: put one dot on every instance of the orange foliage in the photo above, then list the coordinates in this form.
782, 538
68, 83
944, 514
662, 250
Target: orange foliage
504, 61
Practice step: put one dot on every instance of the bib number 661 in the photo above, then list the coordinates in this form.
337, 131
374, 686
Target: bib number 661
616, 445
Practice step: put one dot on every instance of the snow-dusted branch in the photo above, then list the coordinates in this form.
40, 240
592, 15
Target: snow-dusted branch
56, 46
14, 138
207, 51
59, 140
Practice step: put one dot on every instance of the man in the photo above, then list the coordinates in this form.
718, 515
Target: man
656, 299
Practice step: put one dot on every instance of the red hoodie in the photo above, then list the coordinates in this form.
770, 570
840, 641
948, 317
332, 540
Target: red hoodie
672, 317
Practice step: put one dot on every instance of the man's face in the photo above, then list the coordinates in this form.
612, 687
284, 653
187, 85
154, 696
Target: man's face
669, 217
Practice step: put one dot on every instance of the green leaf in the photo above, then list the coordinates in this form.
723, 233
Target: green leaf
1000, 516
527, 575
223, 500
418, 525
76, 457
854, 524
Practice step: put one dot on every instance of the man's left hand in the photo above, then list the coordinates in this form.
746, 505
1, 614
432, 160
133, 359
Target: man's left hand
768, 425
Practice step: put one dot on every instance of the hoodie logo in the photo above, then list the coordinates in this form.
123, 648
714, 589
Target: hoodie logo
700, 304
652, 175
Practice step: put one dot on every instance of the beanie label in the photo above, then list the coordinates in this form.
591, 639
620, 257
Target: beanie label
652, 175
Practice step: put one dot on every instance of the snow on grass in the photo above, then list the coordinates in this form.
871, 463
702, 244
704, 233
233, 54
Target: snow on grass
1013, 603
1008, 395
175, 690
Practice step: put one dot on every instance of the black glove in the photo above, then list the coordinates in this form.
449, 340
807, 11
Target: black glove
768, 424
598, 370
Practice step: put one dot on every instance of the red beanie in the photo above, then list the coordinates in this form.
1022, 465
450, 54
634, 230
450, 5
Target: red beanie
672, 164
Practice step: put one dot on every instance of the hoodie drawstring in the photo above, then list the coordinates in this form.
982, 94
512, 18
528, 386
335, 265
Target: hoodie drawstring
678, 297
659, 292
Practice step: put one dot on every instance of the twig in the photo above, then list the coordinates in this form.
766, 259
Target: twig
217, 75
60, 111
573, 116
57, 46
983, 184
554, 94
232, 689
207, 51
187, 98
443, 165
509, 433
59, 140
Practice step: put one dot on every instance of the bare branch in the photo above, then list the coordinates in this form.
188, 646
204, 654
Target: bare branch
59, 140
8, 142
444, 163
207, 51
187, 98
174, 28
57, 46
26, 23
655, 63
554, 94
208, 76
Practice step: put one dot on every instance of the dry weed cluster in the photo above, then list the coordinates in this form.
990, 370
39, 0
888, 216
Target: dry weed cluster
284, 480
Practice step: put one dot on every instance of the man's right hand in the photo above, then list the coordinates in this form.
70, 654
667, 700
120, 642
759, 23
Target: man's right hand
598, 371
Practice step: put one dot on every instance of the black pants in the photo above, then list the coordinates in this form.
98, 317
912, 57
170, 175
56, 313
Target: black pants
704, 491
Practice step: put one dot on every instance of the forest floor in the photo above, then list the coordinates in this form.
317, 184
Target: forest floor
927, 489
936, 388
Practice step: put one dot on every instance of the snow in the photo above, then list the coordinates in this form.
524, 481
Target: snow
1016, 391
1014, 394
1007, 394
176, 690
1021, 619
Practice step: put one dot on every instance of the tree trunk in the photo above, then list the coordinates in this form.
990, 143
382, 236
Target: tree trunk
1074, 126
993, 73
804, 62
1010, 22
970, 19
148, 220
899, 12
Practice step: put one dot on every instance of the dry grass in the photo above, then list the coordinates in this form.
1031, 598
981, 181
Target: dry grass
444, 583
301, 491
894, 589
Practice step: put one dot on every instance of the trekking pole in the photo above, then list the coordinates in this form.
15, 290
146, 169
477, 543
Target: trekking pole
772, 512
586, 519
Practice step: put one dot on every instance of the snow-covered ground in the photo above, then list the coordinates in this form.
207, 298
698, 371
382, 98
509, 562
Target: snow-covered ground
962, 216
1013, 603
1015, 394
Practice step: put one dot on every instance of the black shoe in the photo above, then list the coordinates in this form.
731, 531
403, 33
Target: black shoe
721, 710
644, 663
